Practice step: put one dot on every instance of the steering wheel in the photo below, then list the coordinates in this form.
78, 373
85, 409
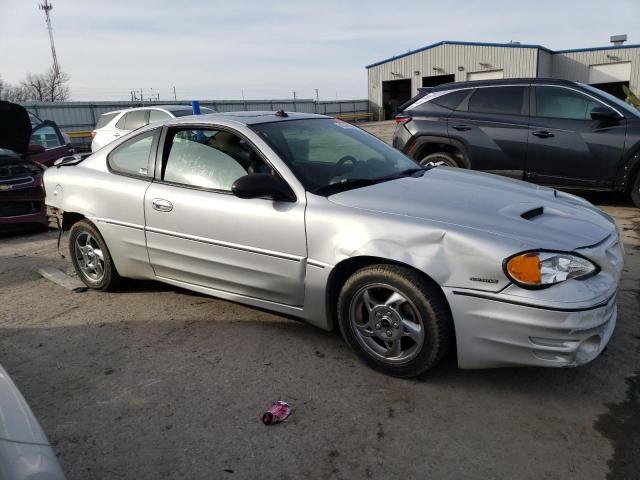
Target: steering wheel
337, 169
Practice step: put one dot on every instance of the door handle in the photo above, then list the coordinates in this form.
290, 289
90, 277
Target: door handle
116, 134
161, 205
461, 128
542, 134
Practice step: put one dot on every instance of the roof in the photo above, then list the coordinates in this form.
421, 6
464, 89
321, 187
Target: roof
168, 108
500, 81
503, 45
246, 118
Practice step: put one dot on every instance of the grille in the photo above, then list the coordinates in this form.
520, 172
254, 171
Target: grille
15, 170
12, 209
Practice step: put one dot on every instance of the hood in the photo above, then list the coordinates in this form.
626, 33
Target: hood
539, 217
15, 127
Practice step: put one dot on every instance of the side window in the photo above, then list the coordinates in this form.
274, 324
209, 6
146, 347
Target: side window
132, 120
554, 102
497, 100
136, 119
132, 157
451, 100
121, 124
46, 137
211, 159
158, 116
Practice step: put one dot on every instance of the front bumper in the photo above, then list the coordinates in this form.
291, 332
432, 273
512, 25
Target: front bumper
494, 333
23, 206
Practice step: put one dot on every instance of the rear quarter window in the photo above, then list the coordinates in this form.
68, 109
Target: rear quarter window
105, 118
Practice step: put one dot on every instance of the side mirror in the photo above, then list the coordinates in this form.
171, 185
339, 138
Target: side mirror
35, 148
604, 113
262, 185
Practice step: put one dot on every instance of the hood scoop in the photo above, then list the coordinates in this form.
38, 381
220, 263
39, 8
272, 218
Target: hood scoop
533, 213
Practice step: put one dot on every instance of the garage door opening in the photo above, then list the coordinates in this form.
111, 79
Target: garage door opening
435, 80
610, 77
394, 94
613, 88
486, 75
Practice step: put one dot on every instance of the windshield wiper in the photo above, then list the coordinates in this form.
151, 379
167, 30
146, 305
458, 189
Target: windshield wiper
350, 183
345, 184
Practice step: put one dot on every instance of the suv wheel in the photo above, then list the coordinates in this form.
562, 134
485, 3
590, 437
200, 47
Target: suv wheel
435, 158
394, 319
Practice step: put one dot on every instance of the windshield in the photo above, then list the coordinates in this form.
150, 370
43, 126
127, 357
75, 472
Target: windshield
329, 155
615, 100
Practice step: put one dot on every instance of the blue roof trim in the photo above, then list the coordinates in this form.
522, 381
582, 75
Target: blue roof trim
505, 45
592, 49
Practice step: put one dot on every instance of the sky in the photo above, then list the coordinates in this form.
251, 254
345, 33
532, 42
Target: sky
260, 49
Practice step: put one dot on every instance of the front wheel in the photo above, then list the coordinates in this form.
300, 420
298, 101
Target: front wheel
442, 158
91, 258
394, 319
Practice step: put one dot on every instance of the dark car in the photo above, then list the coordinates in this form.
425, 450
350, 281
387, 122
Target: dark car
551, 132
22, 163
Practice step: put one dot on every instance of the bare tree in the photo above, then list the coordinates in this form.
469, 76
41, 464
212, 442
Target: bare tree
47, 87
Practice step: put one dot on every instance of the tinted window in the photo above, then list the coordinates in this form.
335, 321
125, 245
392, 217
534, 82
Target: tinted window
158, 116
556, 102
451, 100
105, 118
132, 157
211, 159
500, 100
47, 137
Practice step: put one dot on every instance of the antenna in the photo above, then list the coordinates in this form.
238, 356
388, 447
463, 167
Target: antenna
47, 7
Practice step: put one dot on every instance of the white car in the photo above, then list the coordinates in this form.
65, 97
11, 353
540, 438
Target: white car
112, 125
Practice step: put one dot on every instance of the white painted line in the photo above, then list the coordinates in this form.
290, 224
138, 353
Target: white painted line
62, 279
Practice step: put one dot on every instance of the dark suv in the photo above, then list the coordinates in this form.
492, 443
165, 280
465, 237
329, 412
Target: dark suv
551, 132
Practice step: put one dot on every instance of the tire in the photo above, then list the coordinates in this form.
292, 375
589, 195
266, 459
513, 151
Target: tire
404, 339
444, 157
635, 190
91, 258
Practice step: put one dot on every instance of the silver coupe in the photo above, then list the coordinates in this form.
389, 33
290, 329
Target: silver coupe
312, 217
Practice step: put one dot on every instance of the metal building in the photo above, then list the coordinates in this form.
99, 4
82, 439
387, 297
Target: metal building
393, 81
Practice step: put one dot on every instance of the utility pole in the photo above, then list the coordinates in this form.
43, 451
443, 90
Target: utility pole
317, 96
175, 97
47, 7
294, 96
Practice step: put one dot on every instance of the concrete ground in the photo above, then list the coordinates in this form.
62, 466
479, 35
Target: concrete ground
157, 382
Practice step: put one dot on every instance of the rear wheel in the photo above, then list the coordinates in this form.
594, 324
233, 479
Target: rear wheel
394, 319
440, 157
91, 258
635, 190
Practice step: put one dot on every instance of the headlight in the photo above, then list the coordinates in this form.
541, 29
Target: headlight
539, 269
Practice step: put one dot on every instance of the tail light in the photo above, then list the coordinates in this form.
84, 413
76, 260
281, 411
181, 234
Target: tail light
93, 135
402, 119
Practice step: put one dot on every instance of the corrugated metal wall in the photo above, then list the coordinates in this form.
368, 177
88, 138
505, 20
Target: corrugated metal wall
72, 116
517, 62
575, 65
445, 59
545, 64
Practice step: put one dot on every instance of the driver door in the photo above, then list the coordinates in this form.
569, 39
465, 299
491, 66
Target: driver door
199, 233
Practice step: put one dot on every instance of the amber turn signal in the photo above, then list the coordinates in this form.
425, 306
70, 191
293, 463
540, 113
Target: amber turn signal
525, 268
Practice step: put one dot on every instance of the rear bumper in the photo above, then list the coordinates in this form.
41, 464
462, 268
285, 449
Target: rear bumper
492, 333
